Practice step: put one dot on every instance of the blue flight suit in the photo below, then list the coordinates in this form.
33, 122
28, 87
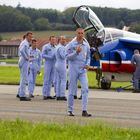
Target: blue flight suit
136, 77
23, 65
34, 67
48, 53
76, 71
60, 69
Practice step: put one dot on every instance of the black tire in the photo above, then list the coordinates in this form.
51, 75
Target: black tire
105, 84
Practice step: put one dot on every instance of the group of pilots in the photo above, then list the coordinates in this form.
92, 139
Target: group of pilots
75, 54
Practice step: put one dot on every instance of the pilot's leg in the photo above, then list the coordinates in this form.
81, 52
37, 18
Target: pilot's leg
57, 84
75, 93
136, 83
84, 86
34, 79
24, 79
84, 90
47, 82
30, 82
62, 74
52, 80
72, 86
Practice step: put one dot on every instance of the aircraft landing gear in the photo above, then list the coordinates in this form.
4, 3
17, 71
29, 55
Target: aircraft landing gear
105, 84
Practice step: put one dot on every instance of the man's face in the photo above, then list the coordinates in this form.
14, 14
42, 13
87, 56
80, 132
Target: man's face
63, 40
53, 41
29, 37
34, 44
80, 33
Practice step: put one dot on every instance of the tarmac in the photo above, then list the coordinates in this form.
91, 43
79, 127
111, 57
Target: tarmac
116, 108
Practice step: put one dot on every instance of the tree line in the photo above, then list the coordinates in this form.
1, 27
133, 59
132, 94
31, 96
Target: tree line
23, 19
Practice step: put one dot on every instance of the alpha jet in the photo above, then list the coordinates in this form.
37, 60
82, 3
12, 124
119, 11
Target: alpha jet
111, 48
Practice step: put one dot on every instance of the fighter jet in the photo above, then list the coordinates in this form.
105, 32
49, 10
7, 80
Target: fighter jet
111, 48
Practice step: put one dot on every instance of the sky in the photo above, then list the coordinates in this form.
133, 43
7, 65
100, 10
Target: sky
63, 4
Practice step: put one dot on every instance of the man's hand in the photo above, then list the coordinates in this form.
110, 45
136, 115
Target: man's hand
78, 49
87, 67
30, 58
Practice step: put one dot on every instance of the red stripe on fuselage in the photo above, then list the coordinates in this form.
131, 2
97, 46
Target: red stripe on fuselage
129, 68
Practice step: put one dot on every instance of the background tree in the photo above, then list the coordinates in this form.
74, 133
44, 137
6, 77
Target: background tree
121, 25
22, 19
13, 20
135, 27
41, 24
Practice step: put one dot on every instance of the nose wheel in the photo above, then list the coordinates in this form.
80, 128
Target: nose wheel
105, 84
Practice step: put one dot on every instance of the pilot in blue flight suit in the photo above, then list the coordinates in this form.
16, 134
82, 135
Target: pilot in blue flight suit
60, 69
78, 55
48, 53
34, 67
23, 65
136, 77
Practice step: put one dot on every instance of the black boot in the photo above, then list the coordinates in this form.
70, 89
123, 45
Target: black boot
48, 98
25, 99
75, 97
17, 96
85, 114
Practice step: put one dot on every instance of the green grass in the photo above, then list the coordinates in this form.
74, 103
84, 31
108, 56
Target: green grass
37, 34
10, 61
11, 75
23, 130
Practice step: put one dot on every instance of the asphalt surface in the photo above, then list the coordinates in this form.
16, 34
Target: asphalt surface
117, 108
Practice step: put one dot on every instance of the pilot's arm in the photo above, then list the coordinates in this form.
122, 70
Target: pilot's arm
45, 53
70, 52
39, 61
24, 50
133, 60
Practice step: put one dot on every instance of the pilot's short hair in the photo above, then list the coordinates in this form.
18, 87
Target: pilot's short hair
136, 51
28, 33
79, 29
51, 37
24, 36
34, 40
59, 38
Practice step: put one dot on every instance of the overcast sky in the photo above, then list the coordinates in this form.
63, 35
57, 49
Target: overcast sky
63, 4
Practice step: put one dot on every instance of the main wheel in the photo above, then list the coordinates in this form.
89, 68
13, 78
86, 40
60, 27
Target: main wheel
105, 84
